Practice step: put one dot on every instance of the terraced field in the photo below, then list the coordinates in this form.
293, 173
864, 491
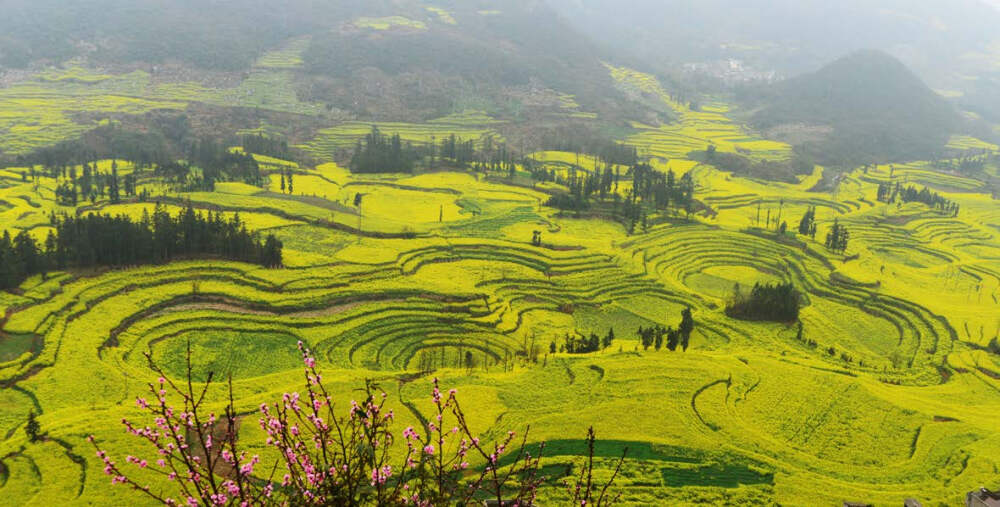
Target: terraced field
891, 390
694, 130
466, 126
749, 413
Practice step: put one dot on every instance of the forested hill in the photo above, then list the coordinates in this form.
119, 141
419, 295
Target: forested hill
871, 106
379, 59
221, 34
209, 69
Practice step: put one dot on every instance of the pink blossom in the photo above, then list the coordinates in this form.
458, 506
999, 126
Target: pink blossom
429, 449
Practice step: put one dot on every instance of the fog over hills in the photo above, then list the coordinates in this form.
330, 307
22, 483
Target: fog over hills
794, 35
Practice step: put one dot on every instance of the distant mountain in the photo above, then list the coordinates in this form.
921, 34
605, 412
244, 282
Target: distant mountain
871, 107
934, 37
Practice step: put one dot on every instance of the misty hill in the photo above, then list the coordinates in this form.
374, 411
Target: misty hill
870, 106
376, 60
496, 58
795, 36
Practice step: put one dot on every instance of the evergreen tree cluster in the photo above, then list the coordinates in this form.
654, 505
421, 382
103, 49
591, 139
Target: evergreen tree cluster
288, 181
969, 163
32, 429
492, 157
892, 193
215, 161
379, 153
219, 163
586, 142
91, 184
586, 345
264, 145
658, 336
652, 190
807, 226
142, 149
662, 190
457, 150
115, 241
778, 302
837, 238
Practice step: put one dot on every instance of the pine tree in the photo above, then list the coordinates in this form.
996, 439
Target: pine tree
32, 427
686, 327
113, 184
837, 238
608, 338
673, 339
808, 222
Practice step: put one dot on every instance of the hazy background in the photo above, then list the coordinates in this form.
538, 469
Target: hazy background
515, 59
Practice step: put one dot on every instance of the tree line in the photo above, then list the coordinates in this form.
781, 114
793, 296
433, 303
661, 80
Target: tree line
217, 163
652, 191
378, 152
115, 241
585, 345
583, 141
889, 193
92, 184
658, 336
207, 159
269, 146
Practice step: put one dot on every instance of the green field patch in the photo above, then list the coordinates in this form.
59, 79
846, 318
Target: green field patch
242, 354
910, 257
687, 467
13, 346
720, 281
16, 404
308, 239
645, 451
595, 319
718, 475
